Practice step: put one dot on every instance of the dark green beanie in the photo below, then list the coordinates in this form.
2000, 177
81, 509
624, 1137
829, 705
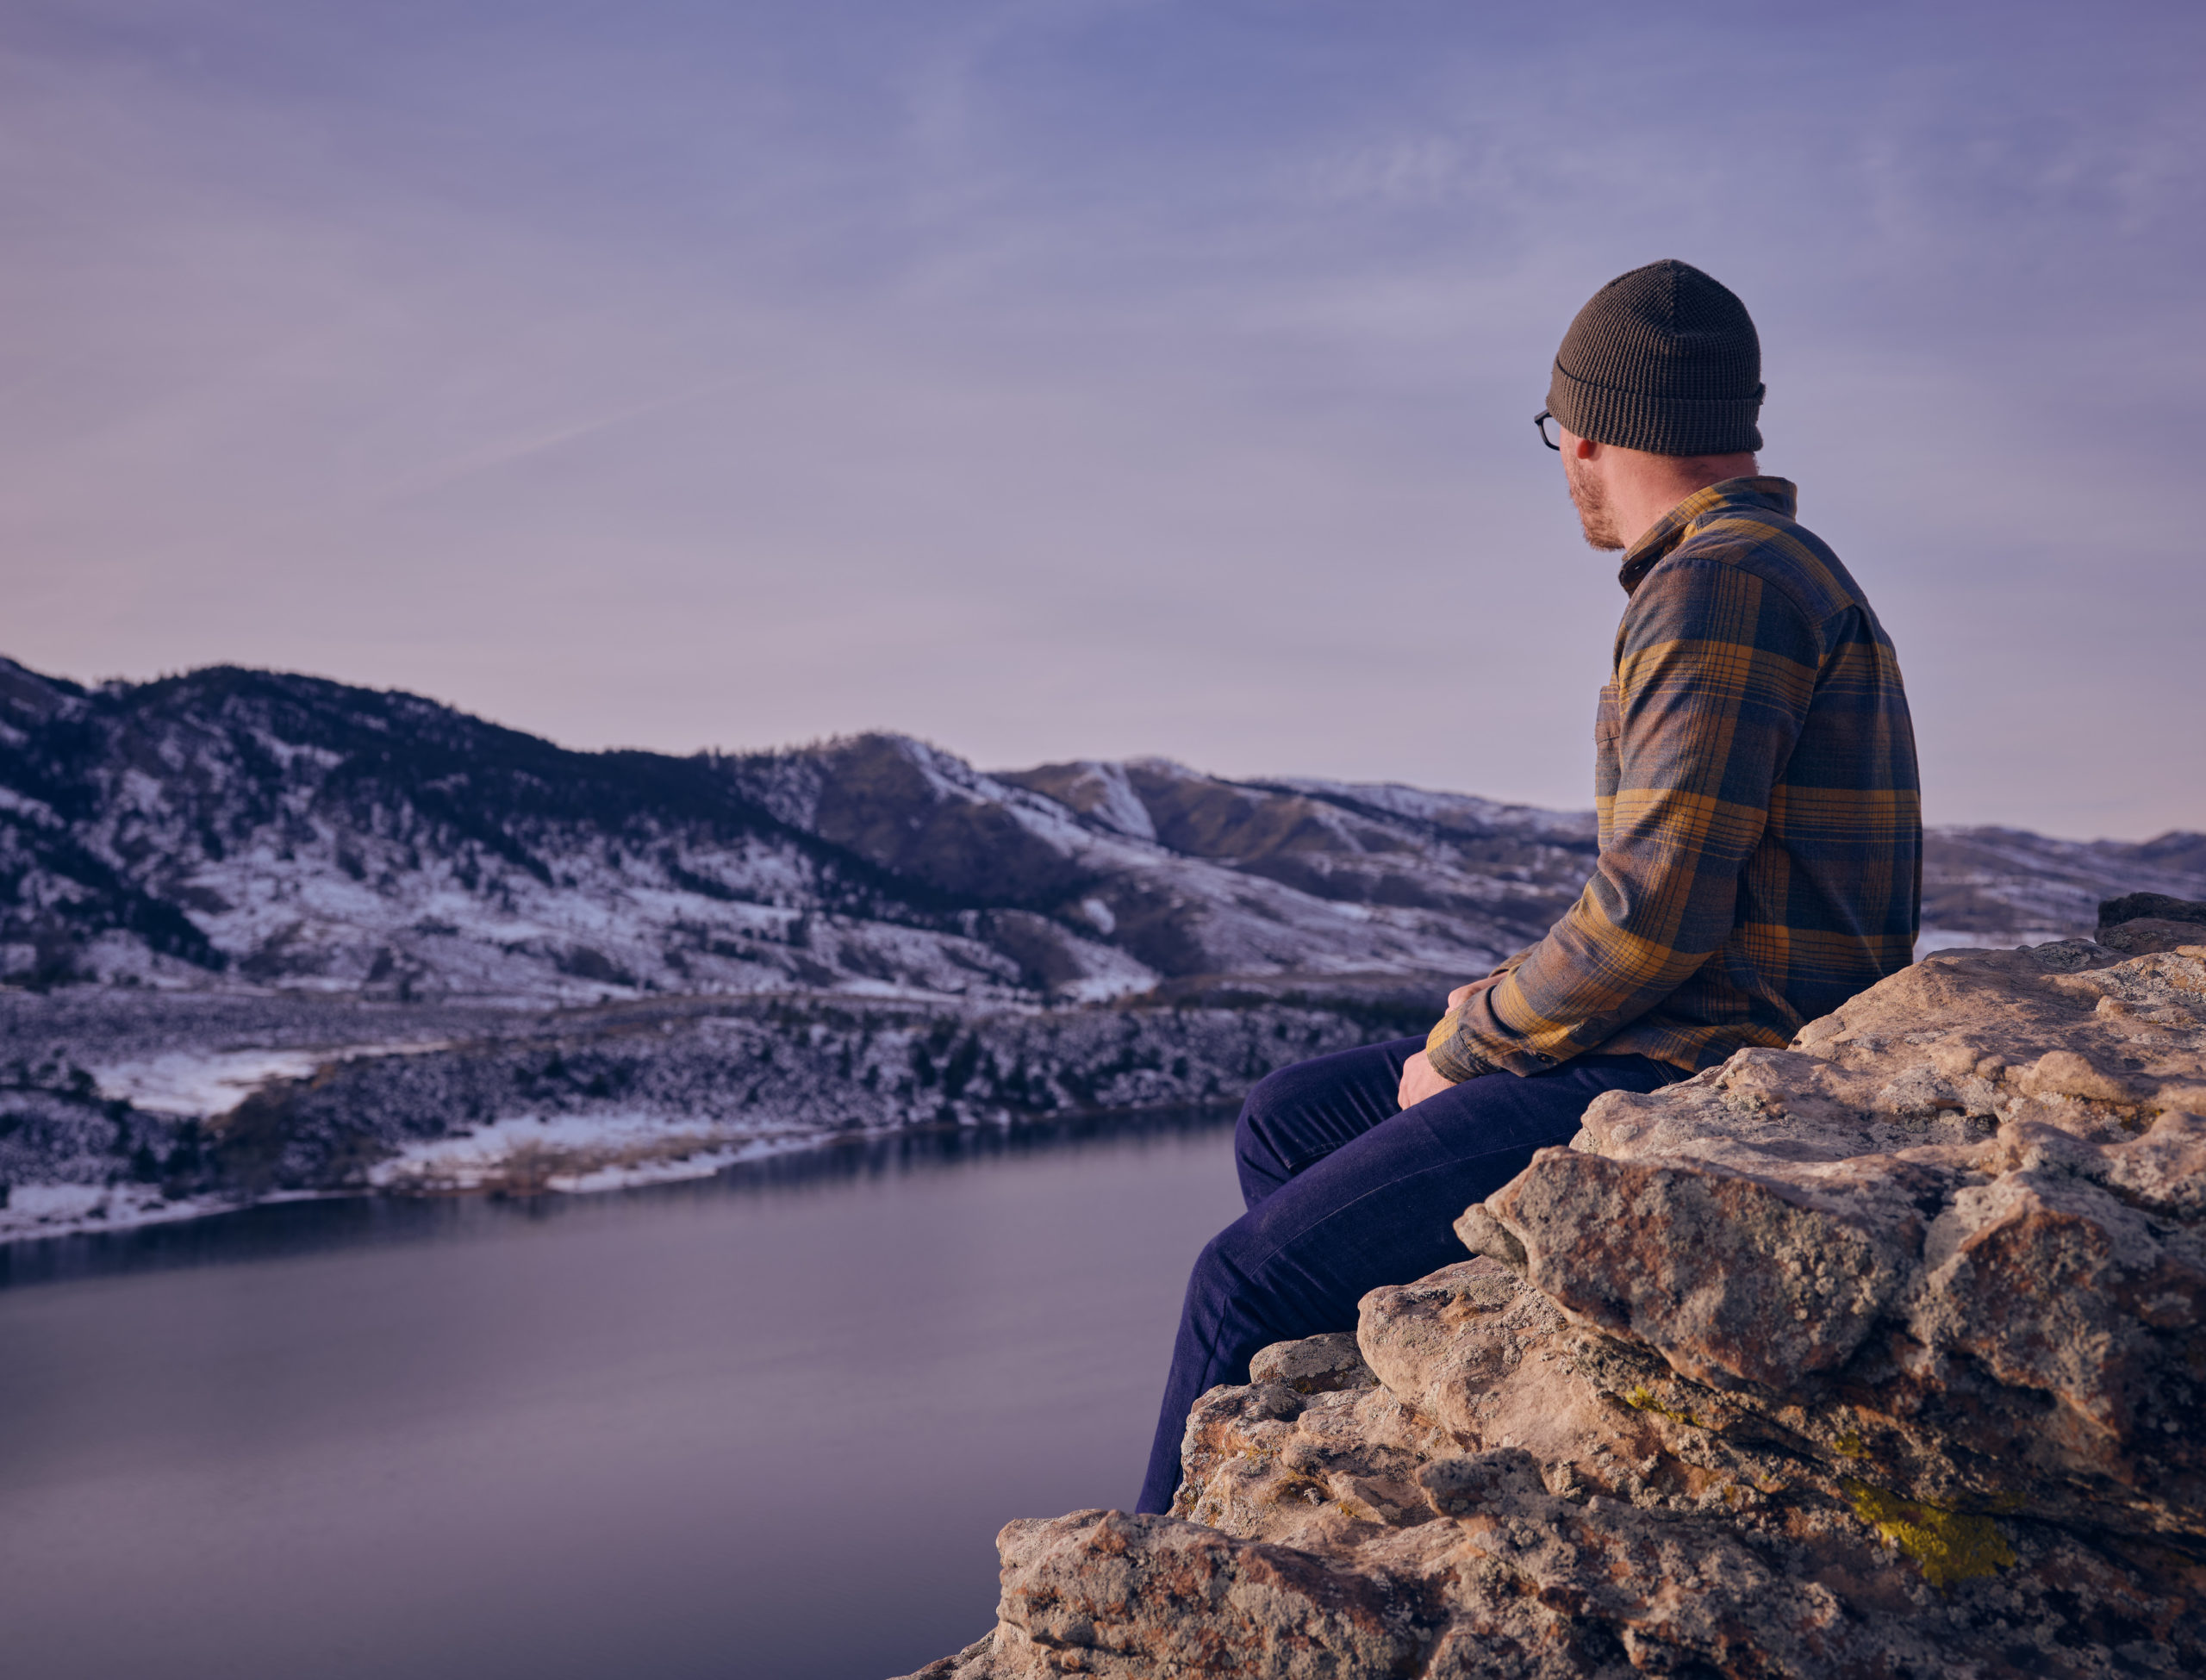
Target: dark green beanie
1663, 359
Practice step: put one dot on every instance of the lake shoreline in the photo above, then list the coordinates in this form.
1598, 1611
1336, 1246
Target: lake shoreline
33, 1254
767, 1423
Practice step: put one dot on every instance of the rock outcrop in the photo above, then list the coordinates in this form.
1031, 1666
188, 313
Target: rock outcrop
1878, 1355
2138, 921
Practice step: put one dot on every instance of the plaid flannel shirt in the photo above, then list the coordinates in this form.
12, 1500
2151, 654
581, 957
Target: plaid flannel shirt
1761, 831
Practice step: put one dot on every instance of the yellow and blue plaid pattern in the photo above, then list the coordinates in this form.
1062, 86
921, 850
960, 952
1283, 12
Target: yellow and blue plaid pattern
1760, 818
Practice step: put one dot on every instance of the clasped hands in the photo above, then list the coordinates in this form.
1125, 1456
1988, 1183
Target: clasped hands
1420, 1079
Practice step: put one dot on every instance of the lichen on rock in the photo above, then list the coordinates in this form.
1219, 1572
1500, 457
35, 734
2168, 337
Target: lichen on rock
1878, 1354
1948, 1547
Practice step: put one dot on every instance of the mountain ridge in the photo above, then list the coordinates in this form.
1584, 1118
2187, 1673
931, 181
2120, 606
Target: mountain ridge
241, 827
270, 829
262, 933
258, 828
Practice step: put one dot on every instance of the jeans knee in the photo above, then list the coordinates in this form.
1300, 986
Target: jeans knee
1254, 1137
1266, 1096
1219, 1279
1211, 1268
1249, 1149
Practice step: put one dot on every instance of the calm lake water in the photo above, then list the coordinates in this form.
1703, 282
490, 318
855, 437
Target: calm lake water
762, 1425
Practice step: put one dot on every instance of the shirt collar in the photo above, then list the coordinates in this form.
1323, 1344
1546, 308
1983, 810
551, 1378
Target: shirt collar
1777, 496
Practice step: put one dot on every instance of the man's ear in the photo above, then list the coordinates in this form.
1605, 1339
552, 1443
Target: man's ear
1585, 449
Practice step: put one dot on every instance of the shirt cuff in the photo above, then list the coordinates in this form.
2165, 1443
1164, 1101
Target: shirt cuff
1443, 1048
1479, 1038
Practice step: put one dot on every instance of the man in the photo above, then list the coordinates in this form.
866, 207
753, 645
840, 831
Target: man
1760, 862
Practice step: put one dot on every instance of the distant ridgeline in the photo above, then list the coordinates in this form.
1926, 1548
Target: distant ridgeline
235, 828
224, 896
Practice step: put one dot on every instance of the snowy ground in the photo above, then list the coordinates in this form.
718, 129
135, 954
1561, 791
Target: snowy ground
70, 1210
528, 1153
123, 1094
562, 1154
192, 1081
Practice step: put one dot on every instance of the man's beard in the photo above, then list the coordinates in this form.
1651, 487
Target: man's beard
1594, 514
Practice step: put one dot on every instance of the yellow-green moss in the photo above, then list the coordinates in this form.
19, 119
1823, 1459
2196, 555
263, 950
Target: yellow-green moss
1850, 1447
1643, 1400
1948, 1547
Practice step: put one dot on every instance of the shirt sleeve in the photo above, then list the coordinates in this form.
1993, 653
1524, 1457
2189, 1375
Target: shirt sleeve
1715, 670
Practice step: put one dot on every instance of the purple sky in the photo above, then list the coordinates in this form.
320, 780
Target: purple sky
1092, 379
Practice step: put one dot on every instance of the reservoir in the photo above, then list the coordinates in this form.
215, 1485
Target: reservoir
760, 1425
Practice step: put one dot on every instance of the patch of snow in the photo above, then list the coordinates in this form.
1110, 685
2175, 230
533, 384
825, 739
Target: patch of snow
577, 1152
35, 1211
199, 1082
1102, 988
44, 1202
1102, 792
702, 1164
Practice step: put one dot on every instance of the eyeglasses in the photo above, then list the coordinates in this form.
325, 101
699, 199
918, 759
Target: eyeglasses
1540, 425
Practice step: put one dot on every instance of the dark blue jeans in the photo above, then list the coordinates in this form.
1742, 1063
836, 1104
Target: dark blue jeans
1345, 1191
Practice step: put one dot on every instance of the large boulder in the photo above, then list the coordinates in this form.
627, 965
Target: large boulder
1881, 1354
2140, 922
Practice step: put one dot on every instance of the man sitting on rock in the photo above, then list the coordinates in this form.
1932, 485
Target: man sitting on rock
1760, 846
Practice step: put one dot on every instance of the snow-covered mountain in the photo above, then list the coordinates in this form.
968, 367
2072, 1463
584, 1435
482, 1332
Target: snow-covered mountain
240, 828
267, 933
233, 828
2009, 887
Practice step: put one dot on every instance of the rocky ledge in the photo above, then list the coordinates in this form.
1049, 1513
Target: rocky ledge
1878, 1355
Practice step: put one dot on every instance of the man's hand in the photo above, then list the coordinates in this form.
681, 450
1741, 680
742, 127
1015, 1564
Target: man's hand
1463, 994
1420, 1079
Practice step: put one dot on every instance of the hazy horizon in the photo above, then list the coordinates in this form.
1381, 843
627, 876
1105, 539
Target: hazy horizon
1058, 379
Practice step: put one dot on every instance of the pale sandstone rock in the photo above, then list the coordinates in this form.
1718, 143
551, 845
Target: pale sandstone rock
1881, 1355
1978, 1183
1315, 1366
1103, 1593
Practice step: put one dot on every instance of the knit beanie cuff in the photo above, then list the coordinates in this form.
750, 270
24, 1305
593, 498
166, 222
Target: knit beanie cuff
1657, 425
